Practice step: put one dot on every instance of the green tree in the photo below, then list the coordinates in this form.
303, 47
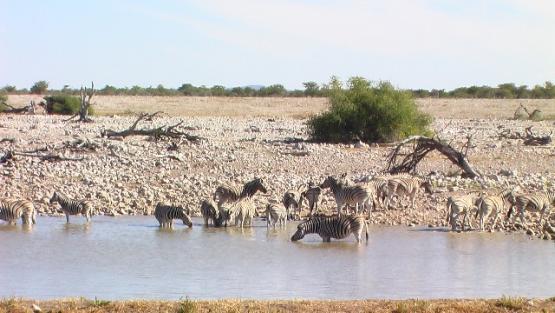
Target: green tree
311, 89
368, 112
9, 89
217, 91
40, 87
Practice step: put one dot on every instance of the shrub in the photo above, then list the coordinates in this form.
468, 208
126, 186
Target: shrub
372, 113
63, 104
39, 87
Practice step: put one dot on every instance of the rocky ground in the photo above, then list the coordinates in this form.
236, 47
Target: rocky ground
130, 175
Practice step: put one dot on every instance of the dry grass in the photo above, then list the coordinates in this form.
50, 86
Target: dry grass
292, 107
504, 304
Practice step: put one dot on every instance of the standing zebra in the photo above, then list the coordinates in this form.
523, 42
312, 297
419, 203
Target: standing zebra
404, 185
337, 227
457, 206
165, 214
533, 203
242, 212
210, 212
228, 193
312, 194
72, 207
491, 206
274, 214
292, 199
11, 210
346, 195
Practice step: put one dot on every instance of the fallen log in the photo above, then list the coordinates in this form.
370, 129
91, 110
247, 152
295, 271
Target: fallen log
156, 133
421, 147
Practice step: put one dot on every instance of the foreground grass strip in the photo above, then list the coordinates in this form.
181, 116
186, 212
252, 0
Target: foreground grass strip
504, 304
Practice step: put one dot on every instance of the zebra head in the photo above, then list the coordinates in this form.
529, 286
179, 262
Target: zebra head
259, 185
185, 217
299, 234
54, 198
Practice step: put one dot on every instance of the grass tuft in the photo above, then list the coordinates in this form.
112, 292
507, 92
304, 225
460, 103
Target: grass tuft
511, 303
187, 306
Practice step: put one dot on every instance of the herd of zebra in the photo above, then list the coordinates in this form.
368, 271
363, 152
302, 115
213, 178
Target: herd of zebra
231, 203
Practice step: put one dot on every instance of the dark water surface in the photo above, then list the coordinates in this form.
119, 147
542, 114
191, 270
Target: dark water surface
129, 257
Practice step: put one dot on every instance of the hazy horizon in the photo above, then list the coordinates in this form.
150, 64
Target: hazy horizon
417, 44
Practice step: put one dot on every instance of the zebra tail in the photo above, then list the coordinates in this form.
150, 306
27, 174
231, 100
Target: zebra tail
449, 204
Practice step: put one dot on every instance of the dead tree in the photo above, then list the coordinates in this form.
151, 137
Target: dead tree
529, 139
156, 133
85, 96
400, 162
30, 108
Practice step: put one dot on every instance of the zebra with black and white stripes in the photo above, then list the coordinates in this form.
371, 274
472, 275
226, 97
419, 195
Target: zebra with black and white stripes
275, 214
337, 227
209, 211
72, 207
491, 206
312, 195
242, 212
11, 210
356, 195
404, 186
165, 214
292, 201
457, 206
231, 193
532, 203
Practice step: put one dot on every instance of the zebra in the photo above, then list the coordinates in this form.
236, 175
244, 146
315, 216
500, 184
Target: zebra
404, 185
292, 199
533, 203
491, 206
209, 211
228, 193
346, 195
11, 210
242, 212
337, 227
274, 214
72, 207
312, 194
457, 206
165, 214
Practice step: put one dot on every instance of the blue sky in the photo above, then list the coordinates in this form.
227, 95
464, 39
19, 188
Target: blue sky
413, 43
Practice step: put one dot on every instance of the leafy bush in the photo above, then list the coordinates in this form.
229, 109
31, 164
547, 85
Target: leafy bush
369, 112
63, 104
40, 87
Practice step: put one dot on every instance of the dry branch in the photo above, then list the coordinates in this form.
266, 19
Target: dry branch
26, 109
10, 155
156, 133
421, 147
529, 139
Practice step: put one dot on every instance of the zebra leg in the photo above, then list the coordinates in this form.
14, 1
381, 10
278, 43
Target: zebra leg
206, 221
545, 208
67, 217
521, 215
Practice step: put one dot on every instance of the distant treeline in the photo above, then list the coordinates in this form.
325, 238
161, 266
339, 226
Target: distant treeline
311, 89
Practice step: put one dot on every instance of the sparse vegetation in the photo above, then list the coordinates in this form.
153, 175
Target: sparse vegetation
187, 306
369, 112
511, 303
63, 104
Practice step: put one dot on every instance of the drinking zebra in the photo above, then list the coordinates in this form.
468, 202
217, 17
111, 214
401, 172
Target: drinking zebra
274, 214
533, 203
461, 205
491, 206
228, 193
404, 186
312, 194
11, 210
209, 211
337, 227
165, 214
356, 196
242, 212
72, 207
292, 199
